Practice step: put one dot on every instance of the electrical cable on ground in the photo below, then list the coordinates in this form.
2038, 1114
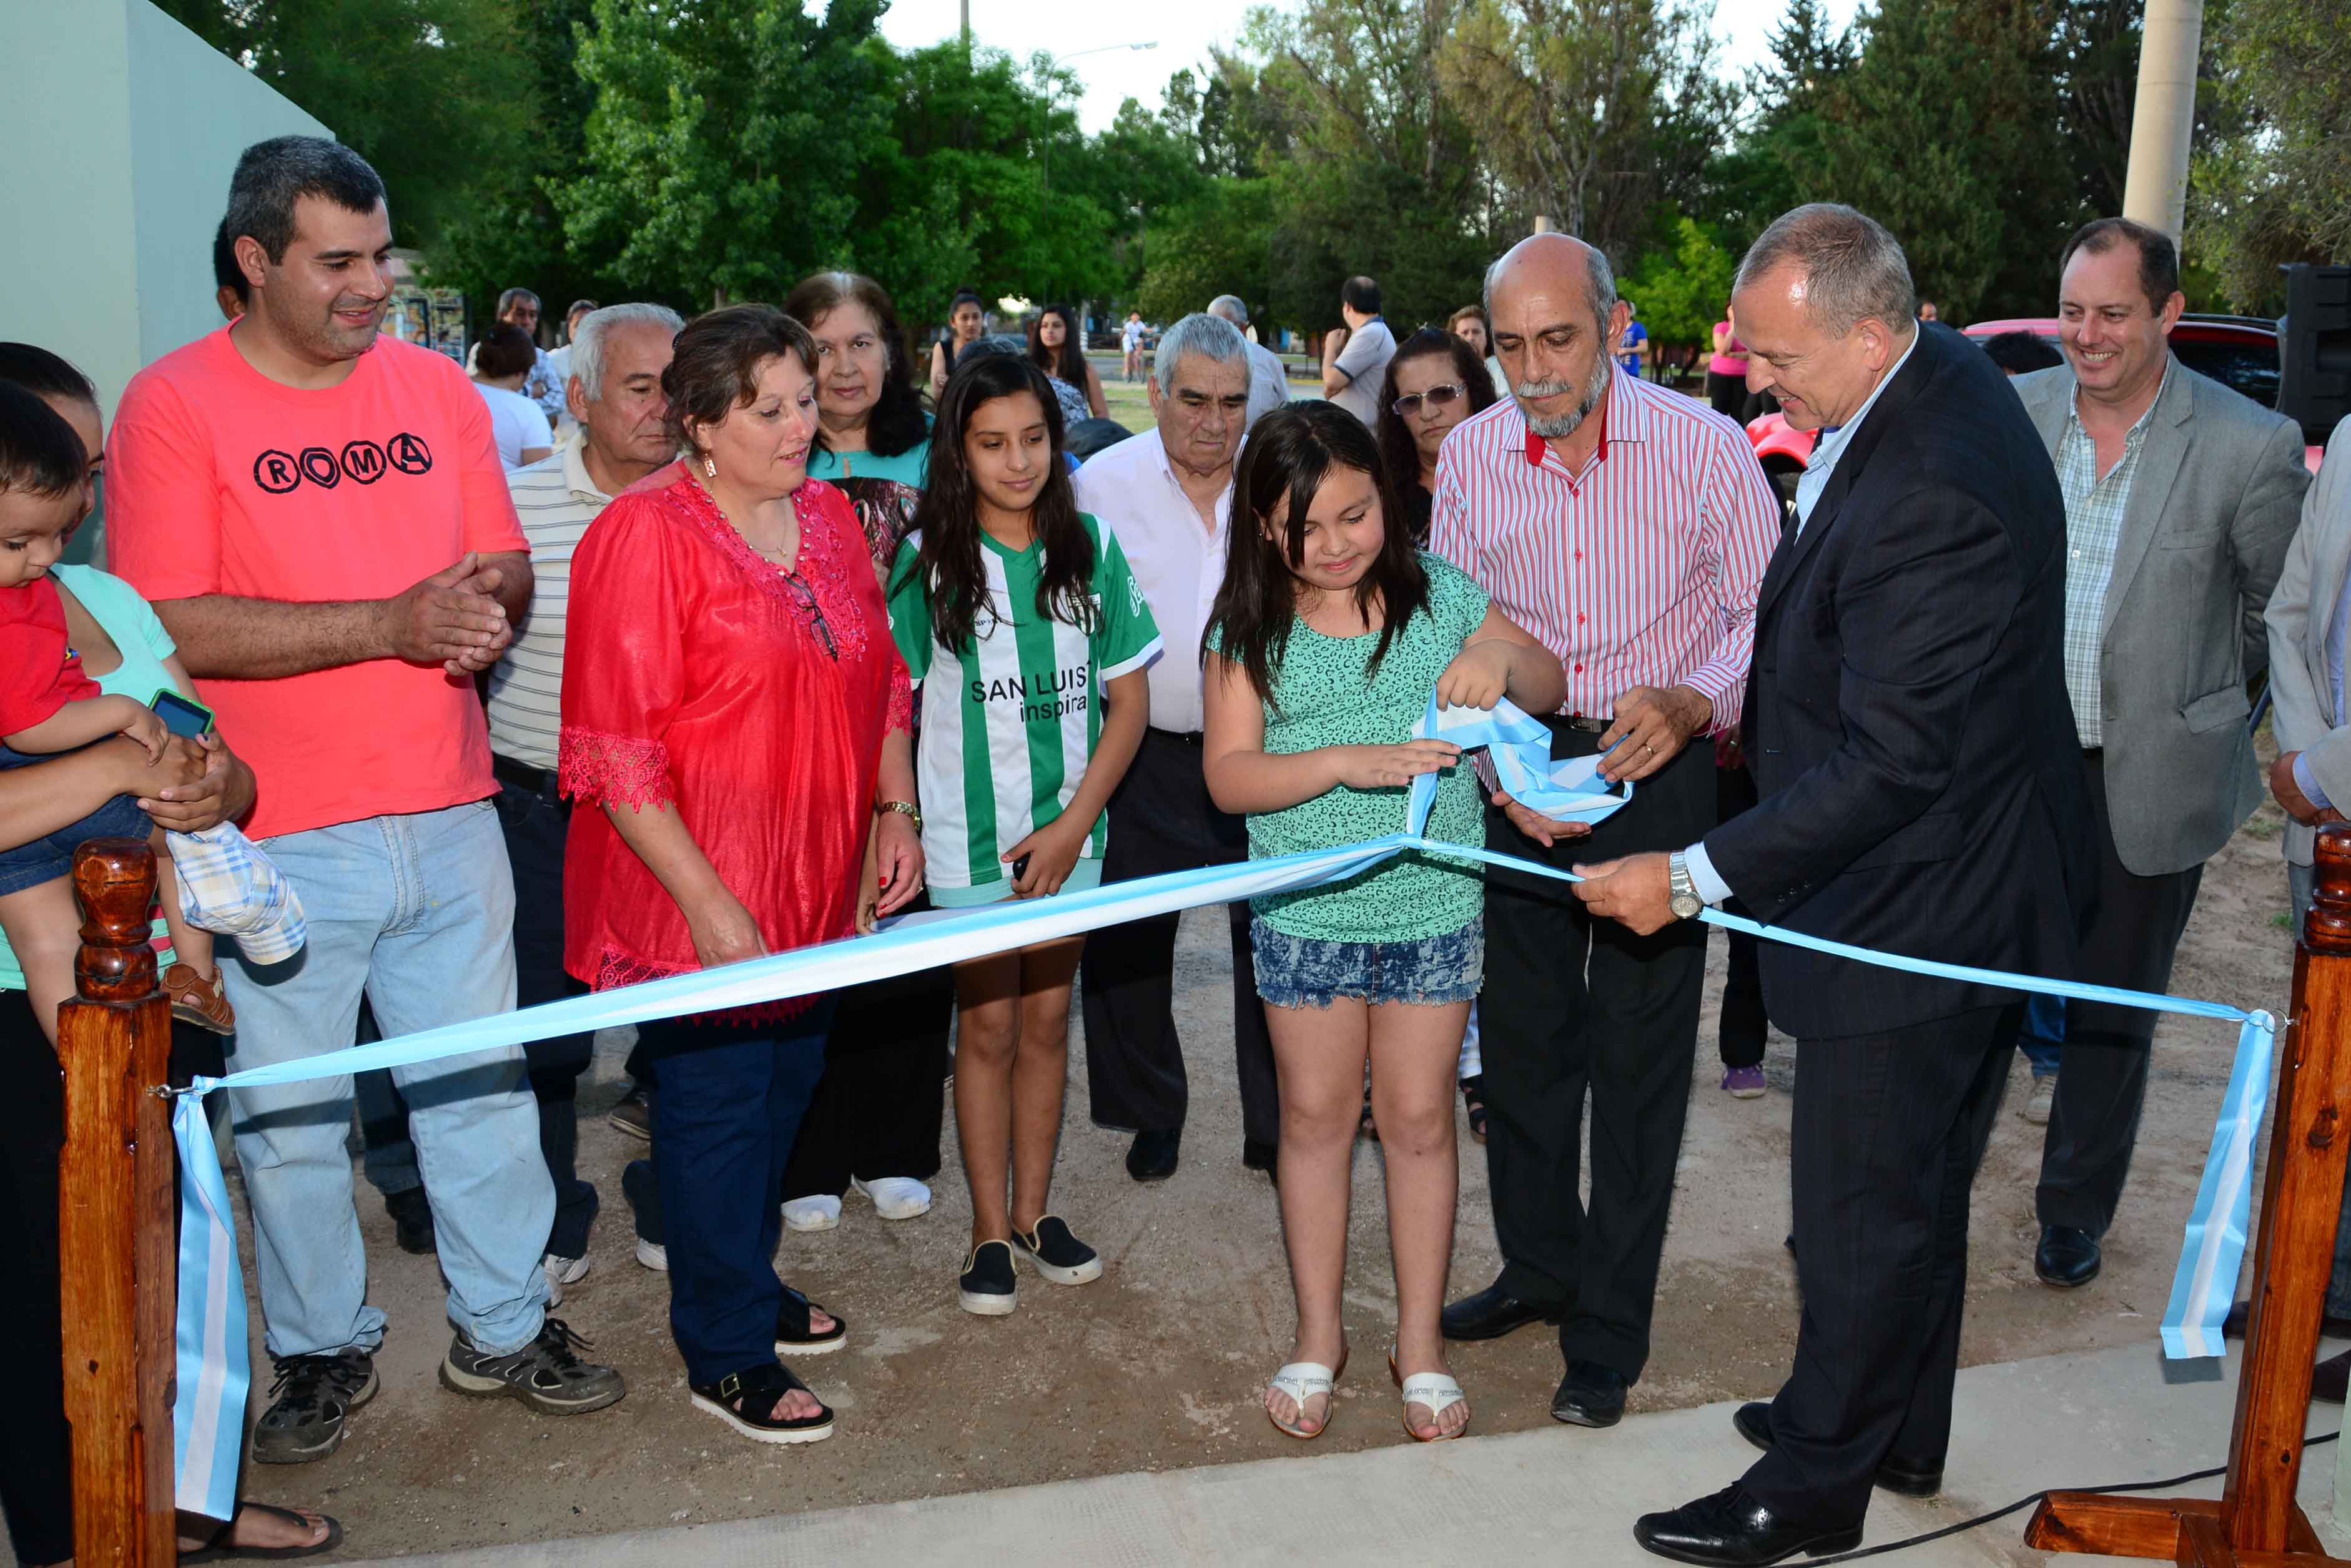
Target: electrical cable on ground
2023, 1502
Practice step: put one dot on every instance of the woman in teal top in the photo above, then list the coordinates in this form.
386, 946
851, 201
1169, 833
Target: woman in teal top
874, 1126
873, 438
1327, 637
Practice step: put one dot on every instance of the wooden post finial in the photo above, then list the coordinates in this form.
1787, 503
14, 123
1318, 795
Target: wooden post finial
115, 879
2328, 928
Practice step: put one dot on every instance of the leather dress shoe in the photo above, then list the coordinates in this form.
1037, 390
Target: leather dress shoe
1734, 1531
2066, 1258
1753, 1422
1152, 1155
1590, 1395
1491, 1314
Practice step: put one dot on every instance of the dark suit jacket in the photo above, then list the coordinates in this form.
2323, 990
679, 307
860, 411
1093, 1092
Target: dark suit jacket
1906, 718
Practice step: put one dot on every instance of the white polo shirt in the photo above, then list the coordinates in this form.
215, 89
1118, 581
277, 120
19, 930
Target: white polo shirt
1179, 562
556, 501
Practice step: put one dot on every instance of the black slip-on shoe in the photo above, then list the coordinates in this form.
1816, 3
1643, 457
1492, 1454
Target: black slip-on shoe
1057, 1254
1590, 1395
1491, 1314
2066, 1258
989, 1287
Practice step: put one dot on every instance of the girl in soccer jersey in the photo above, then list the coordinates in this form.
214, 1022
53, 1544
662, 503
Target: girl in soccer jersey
1325, 640
1017, 613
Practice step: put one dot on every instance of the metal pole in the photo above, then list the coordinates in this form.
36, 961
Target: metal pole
966, 26
2155, 191
1542, 224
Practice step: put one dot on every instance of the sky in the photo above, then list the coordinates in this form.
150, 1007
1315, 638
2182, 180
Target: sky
1182, 36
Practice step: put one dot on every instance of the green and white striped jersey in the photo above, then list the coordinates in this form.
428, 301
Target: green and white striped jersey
1005, 742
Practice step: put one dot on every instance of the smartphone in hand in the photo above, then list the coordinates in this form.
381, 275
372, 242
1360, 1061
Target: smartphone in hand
182, 715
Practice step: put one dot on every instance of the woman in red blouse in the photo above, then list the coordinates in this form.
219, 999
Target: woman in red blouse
734, 706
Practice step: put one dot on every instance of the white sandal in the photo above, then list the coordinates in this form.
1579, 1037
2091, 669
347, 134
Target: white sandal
1435, 1390
1302, 1380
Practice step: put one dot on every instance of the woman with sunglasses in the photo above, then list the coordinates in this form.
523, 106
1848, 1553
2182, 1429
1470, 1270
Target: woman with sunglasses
736, 711
1433, 382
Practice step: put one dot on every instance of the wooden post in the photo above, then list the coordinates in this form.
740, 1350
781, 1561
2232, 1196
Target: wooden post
114, 1210
2257, 1518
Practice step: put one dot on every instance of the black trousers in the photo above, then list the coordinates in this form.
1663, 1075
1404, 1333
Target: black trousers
878, 1108
1576, 1007
1889, 1129
535, 824
1161, 820
1727, 394
2130, 942
1743, 1028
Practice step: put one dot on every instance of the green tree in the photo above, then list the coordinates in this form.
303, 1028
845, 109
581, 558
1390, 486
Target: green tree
437, 94
728, 142
1593, 110
1770, 167
1215, 244
1681, 291
2276, 186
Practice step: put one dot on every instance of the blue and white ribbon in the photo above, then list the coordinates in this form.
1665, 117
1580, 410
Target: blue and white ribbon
209, 1414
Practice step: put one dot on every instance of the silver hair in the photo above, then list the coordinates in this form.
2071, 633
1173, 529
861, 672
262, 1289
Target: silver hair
588, 343
506, 300
1853, 271
1211, 336
1599, 284
1230, 308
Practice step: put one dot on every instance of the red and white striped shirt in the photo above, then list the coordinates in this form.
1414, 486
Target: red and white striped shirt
1642, 571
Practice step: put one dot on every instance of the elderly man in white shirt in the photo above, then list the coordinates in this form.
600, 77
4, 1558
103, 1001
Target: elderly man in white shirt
1168, 497
1269, 380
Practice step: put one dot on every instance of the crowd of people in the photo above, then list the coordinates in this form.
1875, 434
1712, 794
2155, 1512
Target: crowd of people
756, 635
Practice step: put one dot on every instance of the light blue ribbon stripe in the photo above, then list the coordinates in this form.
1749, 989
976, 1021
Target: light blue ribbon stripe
208, 1414
208, 1406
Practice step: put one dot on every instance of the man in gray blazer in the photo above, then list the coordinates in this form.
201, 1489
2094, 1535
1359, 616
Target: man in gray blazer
2309, 620
2180, 499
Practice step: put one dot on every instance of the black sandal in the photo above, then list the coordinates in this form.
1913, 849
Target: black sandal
748, 1402
794, 1334
1473, 1100
219, 1549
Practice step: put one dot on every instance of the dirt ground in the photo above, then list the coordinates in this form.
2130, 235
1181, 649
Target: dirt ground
1159, 1365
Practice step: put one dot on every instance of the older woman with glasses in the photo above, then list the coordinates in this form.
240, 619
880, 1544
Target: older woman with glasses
736, 713
1435, 381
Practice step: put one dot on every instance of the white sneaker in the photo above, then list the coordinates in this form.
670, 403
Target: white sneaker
894, 1197
820, 1213
561, 1271
653, 1255
2036, 1104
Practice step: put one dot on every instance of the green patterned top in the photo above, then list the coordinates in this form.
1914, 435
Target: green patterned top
1322, 697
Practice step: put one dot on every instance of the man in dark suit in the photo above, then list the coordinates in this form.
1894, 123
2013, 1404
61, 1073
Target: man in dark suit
1912, 743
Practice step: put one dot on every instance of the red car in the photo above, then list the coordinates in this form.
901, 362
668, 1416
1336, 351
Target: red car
2241, 353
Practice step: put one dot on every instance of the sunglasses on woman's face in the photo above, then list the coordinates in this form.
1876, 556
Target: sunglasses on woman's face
1441, 396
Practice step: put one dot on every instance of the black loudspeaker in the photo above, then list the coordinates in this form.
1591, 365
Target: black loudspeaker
2314, 349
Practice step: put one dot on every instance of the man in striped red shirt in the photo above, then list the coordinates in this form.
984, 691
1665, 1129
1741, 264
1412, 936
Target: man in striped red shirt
1627, 527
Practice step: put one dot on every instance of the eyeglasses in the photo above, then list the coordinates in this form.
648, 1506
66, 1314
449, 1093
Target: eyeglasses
1440, 396
807, 599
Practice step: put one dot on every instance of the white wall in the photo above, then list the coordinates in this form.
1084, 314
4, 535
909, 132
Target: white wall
121, 128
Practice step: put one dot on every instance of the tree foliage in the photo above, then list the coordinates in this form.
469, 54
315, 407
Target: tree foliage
1681, 291
2275, 185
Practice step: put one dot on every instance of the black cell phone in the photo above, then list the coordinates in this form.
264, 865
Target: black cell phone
181, 715
1020, 868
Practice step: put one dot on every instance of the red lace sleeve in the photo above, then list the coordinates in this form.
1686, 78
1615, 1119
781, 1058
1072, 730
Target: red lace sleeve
625, 656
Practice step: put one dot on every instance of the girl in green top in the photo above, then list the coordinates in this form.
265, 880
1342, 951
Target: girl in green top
1019, 616
1325, 640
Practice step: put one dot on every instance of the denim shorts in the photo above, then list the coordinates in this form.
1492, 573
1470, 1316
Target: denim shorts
49, 857
1307, 972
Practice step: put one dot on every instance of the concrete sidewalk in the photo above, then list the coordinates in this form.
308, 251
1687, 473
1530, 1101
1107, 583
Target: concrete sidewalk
1547, 1497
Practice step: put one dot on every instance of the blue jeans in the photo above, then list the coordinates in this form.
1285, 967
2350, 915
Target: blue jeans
418, 912
731, 1099
2042, 1038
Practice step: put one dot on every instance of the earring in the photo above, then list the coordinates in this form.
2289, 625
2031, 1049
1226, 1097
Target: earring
709, 469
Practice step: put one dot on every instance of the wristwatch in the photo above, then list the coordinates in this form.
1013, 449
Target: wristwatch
906, 809
1681, 892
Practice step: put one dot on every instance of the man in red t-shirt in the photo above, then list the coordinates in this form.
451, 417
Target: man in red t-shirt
319, 518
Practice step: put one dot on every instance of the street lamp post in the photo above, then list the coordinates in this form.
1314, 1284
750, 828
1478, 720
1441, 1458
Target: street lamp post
1053, 99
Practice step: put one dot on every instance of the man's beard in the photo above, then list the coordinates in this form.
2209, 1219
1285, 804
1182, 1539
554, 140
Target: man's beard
1559, 426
